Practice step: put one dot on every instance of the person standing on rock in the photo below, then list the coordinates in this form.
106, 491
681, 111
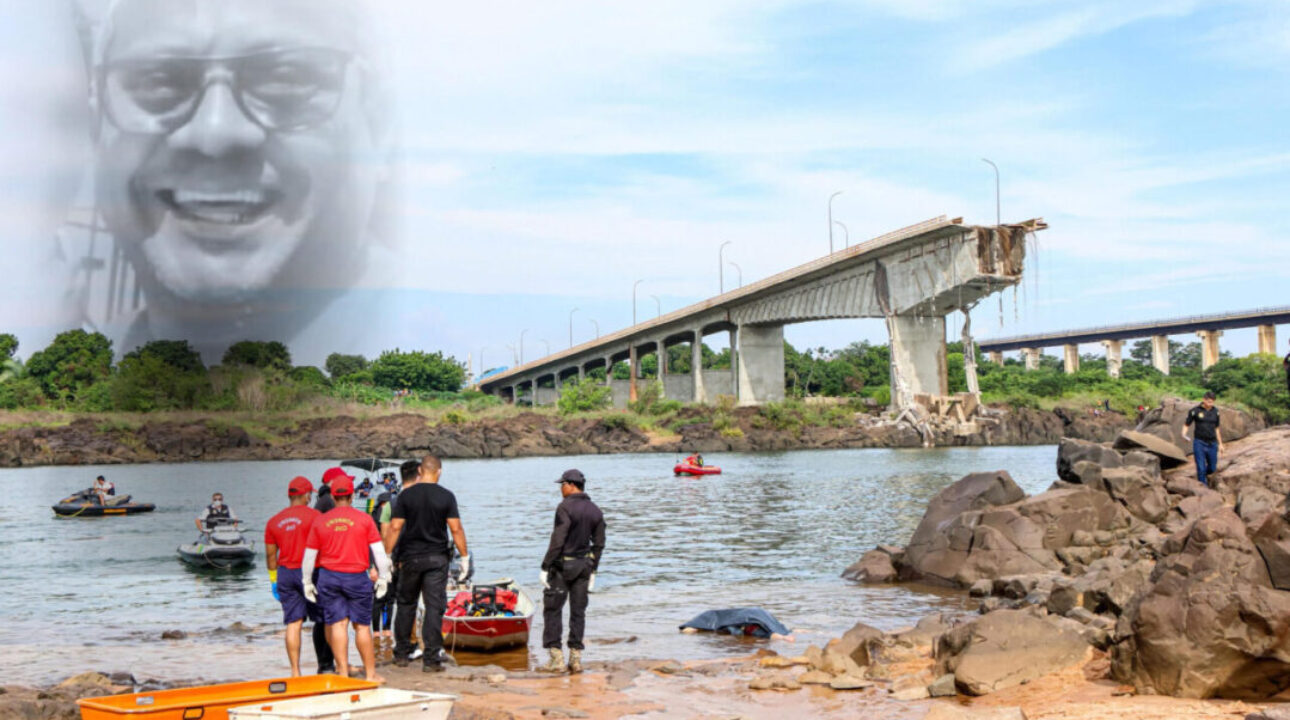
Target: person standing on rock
569, 569
340, 543
418, 537
1206, 438
284, 549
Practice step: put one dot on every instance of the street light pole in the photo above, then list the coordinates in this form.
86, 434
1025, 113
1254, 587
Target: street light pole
831, 220
741, 272
638, 282
658, 306
593, 322
998, 216
721, 267
522, 345
571, 312
846, 234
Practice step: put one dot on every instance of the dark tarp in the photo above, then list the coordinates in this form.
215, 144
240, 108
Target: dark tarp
738, 621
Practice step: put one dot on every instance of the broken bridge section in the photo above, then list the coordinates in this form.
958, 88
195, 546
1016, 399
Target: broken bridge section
912, 278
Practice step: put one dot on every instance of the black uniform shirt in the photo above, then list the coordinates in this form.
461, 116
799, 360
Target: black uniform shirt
425, 509
579, 532
1206, 422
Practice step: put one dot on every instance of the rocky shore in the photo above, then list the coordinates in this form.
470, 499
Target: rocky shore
95, 441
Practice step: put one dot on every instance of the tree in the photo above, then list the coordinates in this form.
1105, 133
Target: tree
177, 354
73, 362
583, 396
271, 354
309, 375
418, 370
8, 346
339, 365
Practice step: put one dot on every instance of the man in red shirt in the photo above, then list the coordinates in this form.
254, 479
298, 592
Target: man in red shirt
339, 543
284, 550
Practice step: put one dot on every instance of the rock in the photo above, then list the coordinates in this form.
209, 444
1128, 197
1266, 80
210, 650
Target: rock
1170, 455
1272, 539
1272, 713
1007, 648
873, 567
856, 643
1211, 624
174, 635
815, 677
909, 687
1166, 422
496, 678
563, 712
981, 588
87, 680
1253, 503
849, 682
1071, 452
774, 681
1143, 459
942, 686
1190, 509
1141, 493
931, 553
950, 711
1064, 598
779, 661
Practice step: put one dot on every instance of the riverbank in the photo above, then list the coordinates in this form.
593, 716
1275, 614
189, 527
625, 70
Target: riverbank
33, 439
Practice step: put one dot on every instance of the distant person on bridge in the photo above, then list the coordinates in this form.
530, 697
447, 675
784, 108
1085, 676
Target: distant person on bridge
1206, 439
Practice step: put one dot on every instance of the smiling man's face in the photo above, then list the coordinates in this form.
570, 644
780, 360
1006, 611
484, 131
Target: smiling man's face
236, 154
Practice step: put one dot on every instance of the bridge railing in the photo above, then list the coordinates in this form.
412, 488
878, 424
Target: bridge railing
1129, 327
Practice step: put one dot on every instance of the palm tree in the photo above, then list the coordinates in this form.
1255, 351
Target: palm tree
10, 369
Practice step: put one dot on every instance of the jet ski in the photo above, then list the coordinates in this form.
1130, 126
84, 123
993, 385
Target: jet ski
86, 504
222, 547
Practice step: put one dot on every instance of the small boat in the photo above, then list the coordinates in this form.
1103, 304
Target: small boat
506, 615
375, 704
213, 702
223, 547
685, 468
86, 504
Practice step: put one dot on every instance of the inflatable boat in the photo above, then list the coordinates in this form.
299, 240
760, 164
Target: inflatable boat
684, 468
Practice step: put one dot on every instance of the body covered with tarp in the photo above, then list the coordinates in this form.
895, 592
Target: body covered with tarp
738, 621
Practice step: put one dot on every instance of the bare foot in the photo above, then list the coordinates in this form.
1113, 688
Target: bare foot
376, 679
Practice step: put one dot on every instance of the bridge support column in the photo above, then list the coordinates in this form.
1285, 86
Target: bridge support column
661, 354
760, 362
996, 357
1209, 347
1114, 356
696, 368
1268, 339
917, 358
1070, 359
1031, 356
632, 370
1160, 353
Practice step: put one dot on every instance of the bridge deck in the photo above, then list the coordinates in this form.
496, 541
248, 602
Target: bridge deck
1177, 326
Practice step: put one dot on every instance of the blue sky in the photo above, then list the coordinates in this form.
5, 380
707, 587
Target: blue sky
556, 152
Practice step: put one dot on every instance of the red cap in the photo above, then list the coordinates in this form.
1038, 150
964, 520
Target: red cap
334, 474
340, 487
299, 486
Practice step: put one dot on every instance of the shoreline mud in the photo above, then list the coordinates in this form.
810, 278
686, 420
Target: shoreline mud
104, 441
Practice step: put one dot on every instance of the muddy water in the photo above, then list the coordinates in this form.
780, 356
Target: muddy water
773, 531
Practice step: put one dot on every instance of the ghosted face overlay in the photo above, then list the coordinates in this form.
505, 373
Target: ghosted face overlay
237, 153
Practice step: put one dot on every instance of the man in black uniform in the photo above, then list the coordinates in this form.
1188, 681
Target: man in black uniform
1207, 439
418, 537
569, 569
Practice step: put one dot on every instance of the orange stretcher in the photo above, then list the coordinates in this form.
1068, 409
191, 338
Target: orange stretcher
211, 702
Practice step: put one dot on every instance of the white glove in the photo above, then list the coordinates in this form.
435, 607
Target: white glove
465, 570
382, 584
311, 592
591, 582
542, 576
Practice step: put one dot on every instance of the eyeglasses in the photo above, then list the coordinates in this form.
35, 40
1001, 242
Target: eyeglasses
280, 90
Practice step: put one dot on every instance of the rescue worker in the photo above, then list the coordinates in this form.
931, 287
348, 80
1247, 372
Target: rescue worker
212, 514
1206, 437
569, 569
417, 536
284, 549
339, 544
325, 502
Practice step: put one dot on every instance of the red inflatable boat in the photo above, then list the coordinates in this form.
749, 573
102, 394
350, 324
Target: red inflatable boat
684, 468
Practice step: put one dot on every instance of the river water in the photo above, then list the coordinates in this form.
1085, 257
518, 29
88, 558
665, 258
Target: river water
774, 531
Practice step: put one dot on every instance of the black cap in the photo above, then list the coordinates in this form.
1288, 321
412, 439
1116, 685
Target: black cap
1209, 394
572, 476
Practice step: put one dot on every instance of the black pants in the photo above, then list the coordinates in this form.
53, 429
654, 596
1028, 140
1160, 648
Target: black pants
425, 576
569, 581
383, 607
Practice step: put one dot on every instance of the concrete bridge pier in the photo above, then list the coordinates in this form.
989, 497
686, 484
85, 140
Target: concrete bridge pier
996, 357
1070, 359
1160, 353
1209, 349
1268, 339
696, 367
1114, 356
760, 363
918, 356
1031, 356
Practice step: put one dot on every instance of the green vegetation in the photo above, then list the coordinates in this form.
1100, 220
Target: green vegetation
583, 396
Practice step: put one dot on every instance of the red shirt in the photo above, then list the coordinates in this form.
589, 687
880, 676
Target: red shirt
341, 537
288, 530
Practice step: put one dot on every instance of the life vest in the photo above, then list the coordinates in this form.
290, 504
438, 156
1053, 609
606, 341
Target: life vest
220, 513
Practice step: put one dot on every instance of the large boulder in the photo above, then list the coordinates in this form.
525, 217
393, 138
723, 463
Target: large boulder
1211, 624
1072, 451
1141, 493
1272, 538
1170, 454
1166, 422
932, 553
1006, 648
874, 567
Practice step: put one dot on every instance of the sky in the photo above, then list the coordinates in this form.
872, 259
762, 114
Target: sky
554, 153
